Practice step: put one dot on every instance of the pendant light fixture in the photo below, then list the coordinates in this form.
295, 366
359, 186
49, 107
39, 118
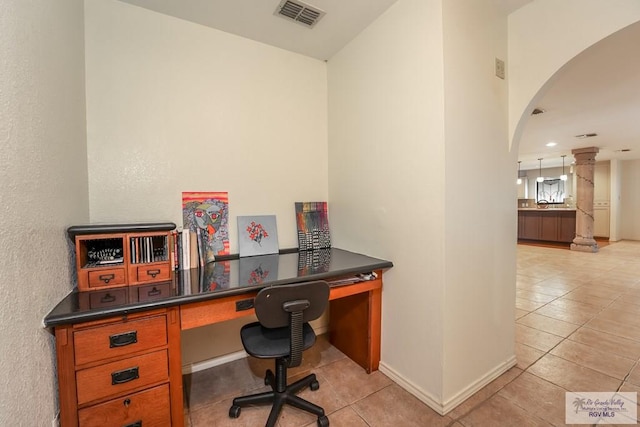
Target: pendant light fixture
563, 177
540, 178
519, 180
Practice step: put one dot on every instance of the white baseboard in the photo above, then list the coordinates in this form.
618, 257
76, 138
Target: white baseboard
409, 386
216, 361
436, 404
221, 360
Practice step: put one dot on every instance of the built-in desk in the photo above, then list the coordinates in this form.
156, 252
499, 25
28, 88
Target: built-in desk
118, 350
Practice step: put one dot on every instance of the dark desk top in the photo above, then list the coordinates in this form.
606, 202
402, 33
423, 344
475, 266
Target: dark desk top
215, 280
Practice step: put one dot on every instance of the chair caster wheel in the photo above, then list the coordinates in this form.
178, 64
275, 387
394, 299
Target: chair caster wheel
323, 421
234, 412
315, 385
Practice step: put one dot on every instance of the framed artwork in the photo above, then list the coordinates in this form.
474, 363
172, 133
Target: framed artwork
257, 235
209, 212
312, 220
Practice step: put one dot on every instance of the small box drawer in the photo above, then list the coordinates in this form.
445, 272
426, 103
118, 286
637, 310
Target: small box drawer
122, 376
152, 292
150, 408
107, 277
119, 339
153, 273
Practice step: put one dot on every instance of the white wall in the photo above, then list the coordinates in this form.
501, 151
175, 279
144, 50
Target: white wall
480, 226
43, 191
414, 106
174, 106
540, 43
629, 225
386, 149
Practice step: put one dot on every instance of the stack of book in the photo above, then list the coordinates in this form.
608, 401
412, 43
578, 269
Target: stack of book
188, 249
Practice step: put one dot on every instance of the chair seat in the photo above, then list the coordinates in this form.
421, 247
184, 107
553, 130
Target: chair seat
272, 343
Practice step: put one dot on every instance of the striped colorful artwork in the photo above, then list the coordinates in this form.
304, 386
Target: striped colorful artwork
312, 220
208, 211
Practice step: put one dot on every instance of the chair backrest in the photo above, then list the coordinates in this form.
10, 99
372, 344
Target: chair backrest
270, 302
291, 306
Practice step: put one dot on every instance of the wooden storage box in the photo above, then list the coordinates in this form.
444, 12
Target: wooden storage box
116, 255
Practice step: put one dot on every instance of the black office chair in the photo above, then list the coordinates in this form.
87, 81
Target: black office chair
282, 333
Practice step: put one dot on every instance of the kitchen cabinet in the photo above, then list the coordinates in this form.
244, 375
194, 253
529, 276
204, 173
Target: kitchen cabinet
549, 225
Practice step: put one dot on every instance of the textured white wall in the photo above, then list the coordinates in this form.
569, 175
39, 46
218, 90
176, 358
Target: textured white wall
414, 108
386, 157
173, 106
43, 190
480, 218
629, 226
540, 44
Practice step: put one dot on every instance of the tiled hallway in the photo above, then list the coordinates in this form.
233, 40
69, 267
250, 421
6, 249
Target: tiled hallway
577, 329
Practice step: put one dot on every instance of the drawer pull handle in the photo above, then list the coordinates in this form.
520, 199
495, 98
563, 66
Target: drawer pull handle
106, 278
107, 298
153, 273
126, 402
154, 292
125, 338
136, 424
124, 376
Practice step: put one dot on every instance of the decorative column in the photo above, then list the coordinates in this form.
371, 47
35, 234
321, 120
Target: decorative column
585, 165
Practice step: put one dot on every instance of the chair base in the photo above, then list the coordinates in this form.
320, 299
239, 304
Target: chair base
280, 398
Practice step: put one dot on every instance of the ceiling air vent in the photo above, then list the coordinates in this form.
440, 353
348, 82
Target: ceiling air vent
299, 12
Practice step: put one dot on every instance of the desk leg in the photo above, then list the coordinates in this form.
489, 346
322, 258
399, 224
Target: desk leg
175, 368
354, 327
66, 376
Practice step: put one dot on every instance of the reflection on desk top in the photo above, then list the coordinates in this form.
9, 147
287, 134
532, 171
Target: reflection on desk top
215, 280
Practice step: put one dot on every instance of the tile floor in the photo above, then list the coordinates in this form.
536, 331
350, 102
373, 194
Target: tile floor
577, 329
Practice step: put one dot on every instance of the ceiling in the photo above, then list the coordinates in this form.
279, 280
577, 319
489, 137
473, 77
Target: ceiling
597, 92
255, 20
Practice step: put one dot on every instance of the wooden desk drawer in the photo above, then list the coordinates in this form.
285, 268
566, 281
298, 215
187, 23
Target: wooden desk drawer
217, 310
107, 277
119, 339
122, 376
150, 407
153, 273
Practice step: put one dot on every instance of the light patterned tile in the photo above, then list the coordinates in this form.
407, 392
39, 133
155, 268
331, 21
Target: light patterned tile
572, 376
537, 396
393, 406
534, 296
350, 382
499, 412
485, 393
548, 324
575, 316
612, 344
537, 339
527, 305
526, 356
594, 358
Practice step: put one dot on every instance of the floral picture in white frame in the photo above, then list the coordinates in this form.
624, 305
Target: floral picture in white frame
257, 235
